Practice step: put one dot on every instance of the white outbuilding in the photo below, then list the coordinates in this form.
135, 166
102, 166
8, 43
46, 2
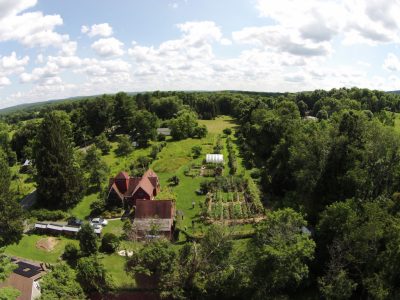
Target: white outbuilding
214, 158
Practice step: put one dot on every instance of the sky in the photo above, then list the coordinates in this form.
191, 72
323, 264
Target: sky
53, 49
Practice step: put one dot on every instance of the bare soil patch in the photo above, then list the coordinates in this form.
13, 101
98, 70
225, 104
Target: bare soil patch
47, 244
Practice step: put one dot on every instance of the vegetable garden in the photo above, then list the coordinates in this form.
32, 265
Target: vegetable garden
231, 198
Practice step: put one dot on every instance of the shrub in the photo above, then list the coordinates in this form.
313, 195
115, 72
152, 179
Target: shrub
102, 143
49, 215
174, 180
143, 162
71, 252
196, 150
200, 131
155, 149
255, 173
97, 207
125, 146
109, 243
227, 131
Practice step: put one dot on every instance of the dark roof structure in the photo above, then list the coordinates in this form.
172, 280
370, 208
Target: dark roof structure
27, 270
25, 279
162, 209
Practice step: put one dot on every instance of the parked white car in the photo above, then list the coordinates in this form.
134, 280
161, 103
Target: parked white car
96, 226
98, 221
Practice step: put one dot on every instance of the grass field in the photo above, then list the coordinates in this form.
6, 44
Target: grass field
397, 122
114, 226
82, 209
26, 248
218, 124
115, 266
22, 184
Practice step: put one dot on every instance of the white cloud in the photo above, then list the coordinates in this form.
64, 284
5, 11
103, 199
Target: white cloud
13, 7
4, 81
391, 63
41, 74
12, 64
280, 39
356, 21
103, 30
39, 59
226, 42
32, 29
108, 47
195, 44
69, 48
65, 61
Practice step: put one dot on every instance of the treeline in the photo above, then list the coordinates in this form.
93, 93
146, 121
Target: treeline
341, 171
135, 116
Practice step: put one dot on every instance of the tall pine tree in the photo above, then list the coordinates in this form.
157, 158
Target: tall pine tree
59, 178
11, 215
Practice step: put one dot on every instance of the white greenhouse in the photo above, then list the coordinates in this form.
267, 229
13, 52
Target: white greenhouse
214, 158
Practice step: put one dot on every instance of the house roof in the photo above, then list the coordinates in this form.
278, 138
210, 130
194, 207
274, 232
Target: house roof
146, 185
27, 270
23, 278
150, 173
161, 209
122, 175
148, 182
116, 190
147, 224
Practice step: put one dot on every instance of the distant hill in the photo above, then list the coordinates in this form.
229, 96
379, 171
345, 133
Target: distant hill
31, 106
394, 92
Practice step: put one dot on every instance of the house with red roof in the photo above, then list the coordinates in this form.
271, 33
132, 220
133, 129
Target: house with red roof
139, 192
129, 189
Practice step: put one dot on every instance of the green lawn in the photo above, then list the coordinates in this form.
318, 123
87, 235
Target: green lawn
173, 160
114, 226
22, 184
218, 124
397, 122
26, 248
115, 266
82, 209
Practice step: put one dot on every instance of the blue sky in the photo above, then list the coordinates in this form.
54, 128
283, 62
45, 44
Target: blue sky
55, 49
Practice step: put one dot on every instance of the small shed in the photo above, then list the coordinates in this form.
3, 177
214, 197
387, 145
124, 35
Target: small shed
27, 163
164, 131
310, 118
214, 158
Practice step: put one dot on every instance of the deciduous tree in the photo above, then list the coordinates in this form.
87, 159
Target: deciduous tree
60, 283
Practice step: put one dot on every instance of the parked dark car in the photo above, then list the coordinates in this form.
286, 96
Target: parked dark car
74, 222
